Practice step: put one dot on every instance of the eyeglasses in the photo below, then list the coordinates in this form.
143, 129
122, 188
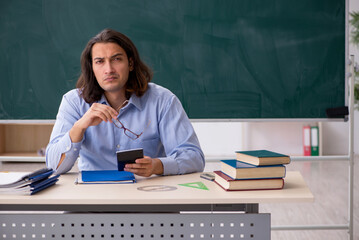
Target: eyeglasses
127, 131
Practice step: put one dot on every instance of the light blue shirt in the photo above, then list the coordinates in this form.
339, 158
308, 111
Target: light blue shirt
167, 134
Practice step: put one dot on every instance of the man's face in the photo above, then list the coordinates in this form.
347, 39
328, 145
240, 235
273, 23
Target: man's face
111, 66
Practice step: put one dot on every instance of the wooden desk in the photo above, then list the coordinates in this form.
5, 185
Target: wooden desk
172, 212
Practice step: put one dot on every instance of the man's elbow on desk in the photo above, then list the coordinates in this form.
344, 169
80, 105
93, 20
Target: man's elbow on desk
59, 167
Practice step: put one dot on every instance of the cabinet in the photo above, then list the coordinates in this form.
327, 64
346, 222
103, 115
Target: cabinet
21, 142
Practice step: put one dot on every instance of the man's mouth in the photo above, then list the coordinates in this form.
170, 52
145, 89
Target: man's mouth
110, 78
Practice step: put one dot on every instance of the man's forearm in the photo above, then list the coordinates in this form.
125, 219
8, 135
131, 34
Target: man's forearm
77, 132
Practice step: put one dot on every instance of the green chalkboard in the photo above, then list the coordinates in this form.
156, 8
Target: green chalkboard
224, 59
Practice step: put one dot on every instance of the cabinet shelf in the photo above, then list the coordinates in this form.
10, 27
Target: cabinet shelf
21, 157
21, 142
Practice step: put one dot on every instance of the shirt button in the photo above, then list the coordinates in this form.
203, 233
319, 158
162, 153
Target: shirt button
75, 149
118, 146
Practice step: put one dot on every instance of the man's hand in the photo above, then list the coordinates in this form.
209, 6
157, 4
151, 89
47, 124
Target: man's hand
94, 116
145, 167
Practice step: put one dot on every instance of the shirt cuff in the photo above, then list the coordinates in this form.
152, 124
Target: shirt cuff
170, 166
74, 149
67, 145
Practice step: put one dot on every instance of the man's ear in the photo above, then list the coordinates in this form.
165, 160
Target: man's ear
130, 64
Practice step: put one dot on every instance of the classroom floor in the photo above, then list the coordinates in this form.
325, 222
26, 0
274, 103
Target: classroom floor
328, 182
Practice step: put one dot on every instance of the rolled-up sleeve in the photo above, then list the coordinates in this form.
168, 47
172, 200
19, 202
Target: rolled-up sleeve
60, 141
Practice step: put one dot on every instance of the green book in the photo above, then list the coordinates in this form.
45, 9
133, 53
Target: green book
262, 157
314, 143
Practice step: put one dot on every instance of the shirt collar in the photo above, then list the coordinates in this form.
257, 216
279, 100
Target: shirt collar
134, 100
103, 100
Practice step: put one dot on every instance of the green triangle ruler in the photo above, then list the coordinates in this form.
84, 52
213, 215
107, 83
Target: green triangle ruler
199, 185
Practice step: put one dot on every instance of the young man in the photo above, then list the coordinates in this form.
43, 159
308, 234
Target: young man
115, 107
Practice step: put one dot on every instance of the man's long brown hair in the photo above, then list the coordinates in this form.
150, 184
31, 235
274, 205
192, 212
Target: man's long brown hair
138, 79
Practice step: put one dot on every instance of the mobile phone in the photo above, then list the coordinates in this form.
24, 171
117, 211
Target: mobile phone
128, 156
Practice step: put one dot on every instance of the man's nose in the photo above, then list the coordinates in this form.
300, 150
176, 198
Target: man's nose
108, 68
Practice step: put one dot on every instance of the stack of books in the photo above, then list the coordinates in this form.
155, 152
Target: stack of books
253, 170
27, 183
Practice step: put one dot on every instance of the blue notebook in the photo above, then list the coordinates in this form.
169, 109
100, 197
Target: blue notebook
105, 176
41, 185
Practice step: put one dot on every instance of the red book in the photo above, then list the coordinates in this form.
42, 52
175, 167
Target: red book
306, 141
230, 184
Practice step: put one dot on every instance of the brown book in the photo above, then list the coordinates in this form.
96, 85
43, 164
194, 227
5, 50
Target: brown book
262, 157
230, 184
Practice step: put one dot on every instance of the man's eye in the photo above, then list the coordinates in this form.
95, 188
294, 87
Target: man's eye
118, 59
98, 61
